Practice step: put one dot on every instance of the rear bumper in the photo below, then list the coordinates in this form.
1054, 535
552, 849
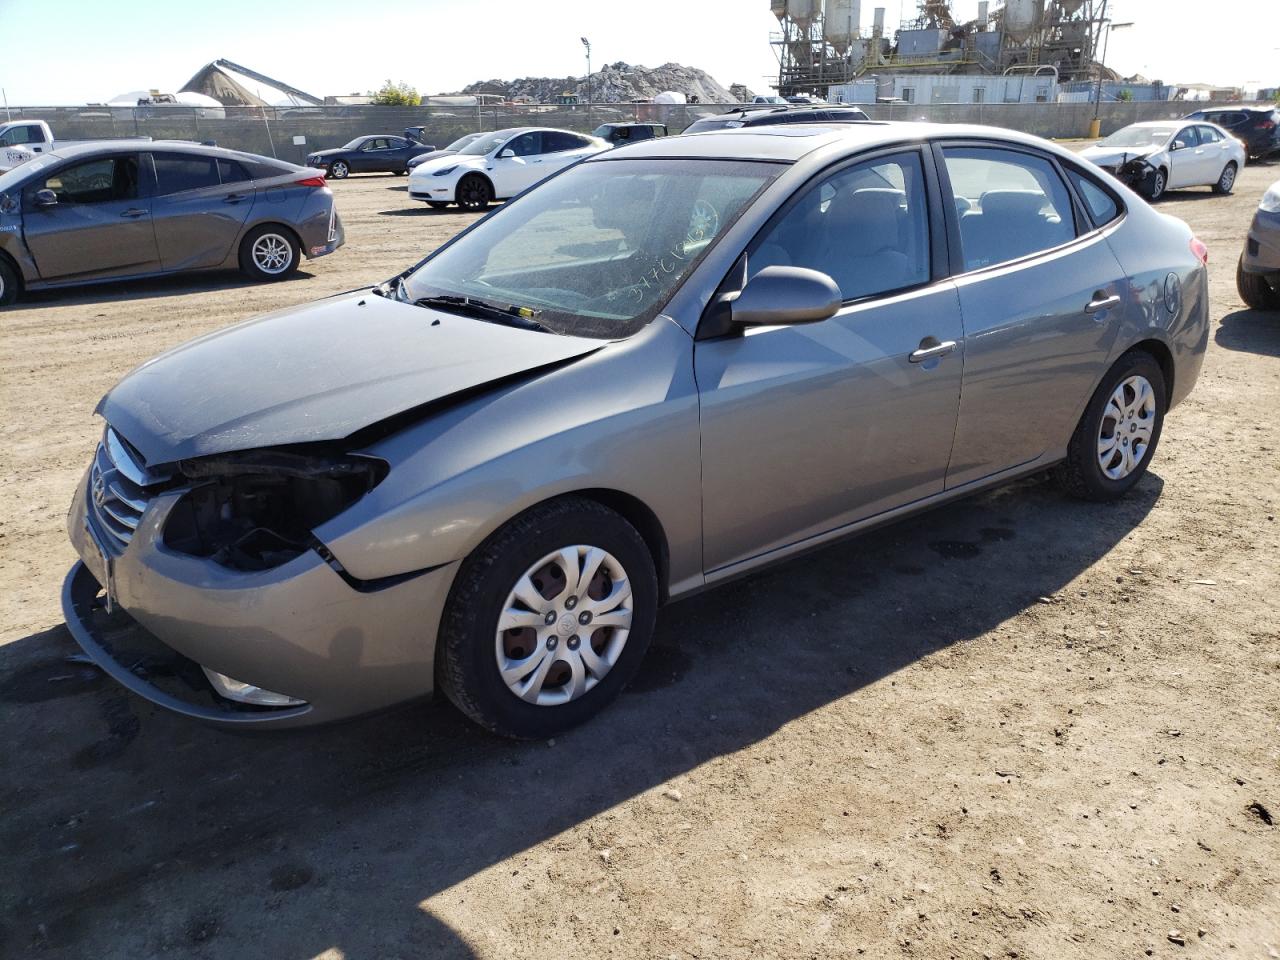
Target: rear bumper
298, 629
1262, 246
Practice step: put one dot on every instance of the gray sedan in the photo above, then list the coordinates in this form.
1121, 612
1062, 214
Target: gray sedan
663, 368
119, 210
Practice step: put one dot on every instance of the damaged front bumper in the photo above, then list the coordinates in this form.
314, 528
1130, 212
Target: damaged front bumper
330, 648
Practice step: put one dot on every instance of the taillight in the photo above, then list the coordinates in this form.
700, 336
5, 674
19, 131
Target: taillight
1267, 124
1200, 250
312, 182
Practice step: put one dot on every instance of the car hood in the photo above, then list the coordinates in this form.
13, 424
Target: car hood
331, 152
317, 372
430, 155
1111, 156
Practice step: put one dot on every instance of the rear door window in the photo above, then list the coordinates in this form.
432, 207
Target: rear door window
232, 171
1010, 204
553, 141
178, 172
1208, 135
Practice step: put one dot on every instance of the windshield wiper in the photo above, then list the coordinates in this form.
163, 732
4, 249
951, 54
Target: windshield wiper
468, 306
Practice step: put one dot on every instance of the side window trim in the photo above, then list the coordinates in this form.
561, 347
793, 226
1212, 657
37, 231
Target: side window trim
956, 259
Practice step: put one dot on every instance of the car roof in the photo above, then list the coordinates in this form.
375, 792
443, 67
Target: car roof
789, 142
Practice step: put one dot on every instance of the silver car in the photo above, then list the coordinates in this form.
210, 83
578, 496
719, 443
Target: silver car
124, 209
1258, 271
664, 368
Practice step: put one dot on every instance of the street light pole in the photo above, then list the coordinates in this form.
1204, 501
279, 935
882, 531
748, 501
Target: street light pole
587, 43
1095, 126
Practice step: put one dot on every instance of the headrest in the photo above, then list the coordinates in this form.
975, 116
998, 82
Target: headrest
868, 218
626, 203
1014, 205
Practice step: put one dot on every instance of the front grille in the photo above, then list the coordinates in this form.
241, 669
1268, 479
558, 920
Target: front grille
120, 487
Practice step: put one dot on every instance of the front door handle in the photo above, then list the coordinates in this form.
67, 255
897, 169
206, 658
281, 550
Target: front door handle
931, 350
1101, 302
133, 213
233, 198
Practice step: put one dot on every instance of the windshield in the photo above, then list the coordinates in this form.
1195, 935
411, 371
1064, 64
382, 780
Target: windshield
484, 143
597, 251
461, 142
1139, 137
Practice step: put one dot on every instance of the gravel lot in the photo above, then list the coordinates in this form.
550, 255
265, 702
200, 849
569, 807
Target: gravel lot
1018, 727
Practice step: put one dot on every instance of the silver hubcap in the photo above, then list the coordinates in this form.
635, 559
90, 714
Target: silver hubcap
1158, 188
1127, 424
1228, 178
564, 625
272, 253
339, 169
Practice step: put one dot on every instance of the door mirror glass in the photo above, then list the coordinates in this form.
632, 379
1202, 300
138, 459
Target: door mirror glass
45, 198
506, 154
779, 295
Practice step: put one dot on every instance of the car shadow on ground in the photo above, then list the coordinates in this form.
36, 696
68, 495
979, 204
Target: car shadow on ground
129, 830
178, 285
1250, 331
1187, 195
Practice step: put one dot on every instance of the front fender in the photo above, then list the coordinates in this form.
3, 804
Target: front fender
624, 418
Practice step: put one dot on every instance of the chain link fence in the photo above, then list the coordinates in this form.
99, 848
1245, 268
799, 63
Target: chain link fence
290, 133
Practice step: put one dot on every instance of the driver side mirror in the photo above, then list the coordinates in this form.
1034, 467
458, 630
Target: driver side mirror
506, 154
785, 295
45, 198
1179, 145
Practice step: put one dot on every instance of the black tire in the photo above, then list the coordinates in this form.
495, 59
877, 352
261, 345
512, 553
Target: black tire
10, 283
466, 666
1156, 185
338, 170
1080, 474
1226, 183
474, 192
438, 204
254, 262
1254, 289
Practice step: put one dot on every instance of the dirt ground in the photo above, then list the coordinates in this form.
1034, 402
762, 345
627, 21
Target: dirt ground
1019, 727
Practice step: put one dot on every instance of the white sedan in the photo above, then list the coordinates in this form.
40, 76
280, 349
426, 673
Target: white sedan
497, 166
1159, 155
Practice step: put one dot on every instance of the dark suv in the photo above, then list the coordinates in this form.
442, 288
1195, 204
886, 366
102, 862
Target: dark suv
749, 117
1258, 128
620, 133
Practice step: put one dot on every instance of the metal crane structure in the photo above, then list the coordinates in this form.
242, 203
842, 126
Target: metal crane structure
821, 42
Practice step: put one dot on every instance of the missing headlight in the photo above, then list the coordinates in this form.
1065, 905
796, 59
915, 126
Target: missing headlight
256, 510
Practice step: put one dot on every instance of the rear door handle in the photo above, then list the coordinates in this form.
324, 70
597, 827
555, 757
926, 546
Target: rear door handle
134, 213
929, 353
1100, 303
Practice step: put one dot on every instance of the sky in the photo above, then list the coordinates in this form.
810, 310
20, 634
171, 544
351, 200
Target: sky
78, 51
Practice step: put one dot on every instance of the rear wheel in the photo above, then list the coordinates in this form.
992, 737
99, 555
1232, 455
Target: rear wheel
9, 283
1117, 436
1254, 289
474, 192
548, 619
1227, 180
338, 170
269, 252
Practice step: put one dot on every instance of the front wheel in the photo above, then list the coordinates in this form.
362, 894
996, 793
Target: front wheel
548, 619
1157, 185
1254, 289
1227, 180
9, 283
1117, 436
338, 170
269, 252
474, 192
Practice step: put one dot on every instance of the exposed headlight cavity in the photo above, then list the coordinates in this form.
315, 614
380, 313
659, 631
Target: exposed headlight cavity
256, 510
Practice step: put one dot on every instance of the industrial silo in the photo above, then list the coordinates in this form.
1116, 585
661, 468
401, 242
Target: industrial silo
803, 11
1021, 17
841, 22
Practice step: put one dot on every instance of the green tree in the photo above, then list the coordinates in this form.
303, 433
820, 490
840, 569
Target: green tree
1124, 96
396, 95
